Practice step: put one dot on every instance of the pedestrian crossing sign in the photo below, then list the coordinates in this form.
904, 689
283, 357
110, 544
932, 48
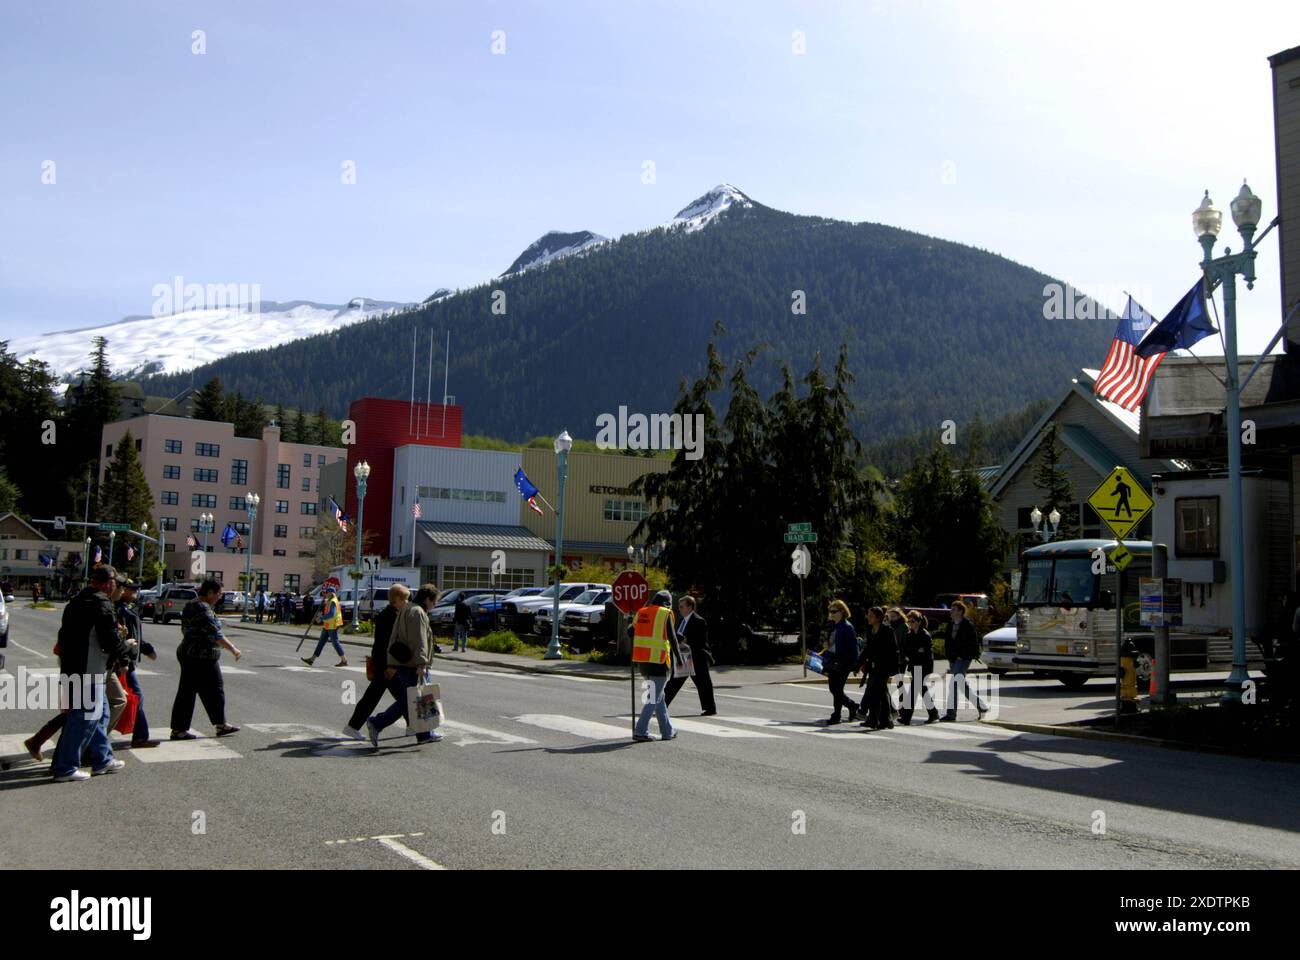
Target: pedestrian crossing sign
1120, 556
1121, 502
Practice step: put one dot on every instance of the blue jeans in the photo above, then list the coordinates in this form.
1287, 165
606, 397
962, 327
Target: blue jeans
460, 637
329, 636
957, 668
658, 708
406, 678
141, 730
85, 730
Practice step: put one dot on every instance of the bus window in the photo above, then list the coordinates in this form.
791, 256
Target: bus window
1072, 585
1036, 580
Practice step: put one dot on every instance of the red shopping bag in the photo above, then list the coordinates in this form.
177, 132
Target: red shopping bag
126, 722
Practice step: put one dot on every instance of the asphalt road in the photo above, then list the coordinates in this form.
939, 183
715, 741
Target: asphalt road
540, 771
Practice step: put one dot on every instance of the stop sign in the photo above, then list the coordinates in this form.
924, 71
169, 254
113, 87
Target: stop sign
630, 591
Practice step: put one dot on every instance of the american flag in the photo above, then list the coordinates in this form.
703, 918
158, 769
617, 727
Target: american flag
191, 542
1125, 375
130, 553
415, 510
340, 517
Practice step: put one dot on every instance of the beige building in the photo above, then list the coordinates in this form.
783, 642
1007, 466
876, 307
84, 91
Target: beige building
21, 548
195, 467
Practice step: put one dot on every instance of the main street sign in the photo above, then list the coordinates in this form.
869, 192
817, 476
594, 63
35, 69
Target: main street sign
801, 538
1121, 502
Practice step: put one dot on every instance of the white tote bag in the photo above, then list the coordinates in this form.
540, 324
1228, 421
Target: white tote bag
423, 707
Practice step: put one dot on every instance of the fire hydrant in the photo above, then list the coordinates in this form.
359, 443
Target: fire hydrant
1128, 695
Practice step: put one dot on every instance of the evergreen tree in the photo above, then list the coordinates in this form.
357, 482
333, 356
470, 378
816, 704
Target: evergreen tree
91, 404
320, 431
280, 419
248, 416
210, 402
10, 495
125, 496
297, 429
1052, 480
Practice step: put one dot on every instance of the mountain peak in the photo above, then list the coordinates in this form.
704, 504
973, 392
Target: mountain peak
703, 210
553, 245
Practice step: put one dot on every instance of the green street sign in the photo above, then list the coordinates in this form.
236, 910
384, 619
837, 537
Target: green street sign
799, 527
801, 538
115, 526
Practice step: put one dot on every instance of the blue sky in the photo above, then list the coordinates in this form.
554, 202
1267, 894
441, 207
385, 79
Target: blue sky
1075, 138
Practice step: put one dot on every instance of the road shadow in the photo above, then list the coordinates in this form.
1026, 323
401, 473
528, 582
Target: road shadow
341, 748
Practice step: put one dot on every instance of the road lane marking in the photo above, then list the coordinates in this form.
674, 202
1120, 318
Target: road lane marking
296, 731
174, 751
475, 734
576, 726
16, 755
717, 730
794, 726
402, 849
38, 653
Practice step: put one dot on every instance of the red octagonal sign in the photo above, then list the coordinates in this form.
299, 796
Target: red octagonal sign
630, 591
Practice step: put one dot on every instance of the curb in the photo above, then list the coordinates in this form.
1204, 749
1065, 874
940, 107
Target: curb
1085, 733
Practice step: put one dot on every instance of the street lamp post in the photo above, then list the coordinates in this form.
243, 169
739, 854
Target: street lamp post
1045, 532
144, 529
206, 526
1206, 223
563, 444
362, 472
251, 500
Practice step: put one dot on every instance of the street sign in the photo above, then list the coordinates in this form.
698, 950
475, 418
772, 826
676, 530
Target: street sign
120, 527
1121, 502
801, 538
630, 591
60, 523
799, 527
1120, 556
801, 561
1161, 601
372, 564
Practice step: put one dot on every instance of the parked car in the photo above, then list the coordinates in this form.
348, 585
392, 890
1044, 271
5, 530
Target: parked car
584, 624
232, 601
147, 600
518, 615
172, 601
584, 600
1000, 648
4, 623
442, 617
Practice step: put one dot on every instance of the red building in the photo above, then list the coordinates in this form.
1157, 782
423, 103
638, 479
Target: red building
381, 427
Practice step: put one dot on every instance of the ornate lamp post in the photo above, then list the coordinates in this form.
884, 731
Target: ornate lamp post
206, 522
563, 444
251, 500
1048, 530
362, 472
1206, 223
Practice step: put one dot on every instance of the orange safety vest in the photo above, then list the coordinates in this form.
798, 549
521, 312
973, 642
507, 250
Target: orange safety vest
335, 619
650, 633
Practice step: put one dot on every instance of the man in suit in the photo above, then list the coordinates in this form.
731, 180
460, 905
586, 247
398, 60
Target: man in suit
693, 631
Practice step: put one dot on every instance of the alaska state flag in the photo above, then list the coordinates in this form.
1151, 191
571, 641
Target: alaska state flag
228, 535
527, 490
1187, 323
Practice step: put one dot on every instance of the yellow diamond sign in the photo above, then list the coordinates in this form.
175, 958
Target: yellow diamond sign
1120, 556
1121, 502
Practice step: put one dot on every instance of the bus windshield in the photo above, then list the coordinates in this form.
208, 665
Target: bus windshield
1059, 582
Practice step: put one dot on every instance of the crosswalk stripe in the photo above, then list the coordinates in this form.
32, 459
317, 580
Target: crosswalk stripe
576, 726
296, 731
467, 734
418, 859
15, 754
717, 730
795, 726
172, 751
927, 733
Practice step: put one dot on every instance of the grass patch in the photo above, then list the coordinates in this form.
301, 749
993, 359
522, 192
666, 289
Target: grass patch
506, 641
42, 605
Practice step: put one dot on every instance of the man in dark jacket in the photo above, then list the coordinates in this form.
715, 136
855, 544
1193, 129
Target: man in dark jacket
961, 646
89, 639
383, 624
693, 631
461, 618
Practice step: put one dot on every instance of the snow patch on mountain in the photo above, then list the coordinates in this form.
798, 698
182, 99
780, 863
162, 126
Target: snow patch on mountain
138, 346
552, 246
704, 210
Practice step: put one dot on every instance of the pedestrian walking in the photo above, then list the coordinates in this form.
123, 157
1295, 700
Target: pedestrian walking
879, 664
410, 651
398, 597
654, 648
331, 619
199, 653
89, 639
460, 618
840, 658
693, 635
961, 645
917, 652
260, 604
130, 619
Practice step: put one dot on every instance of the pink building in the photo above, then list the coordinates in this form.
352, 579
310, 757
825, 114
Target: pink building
199, 466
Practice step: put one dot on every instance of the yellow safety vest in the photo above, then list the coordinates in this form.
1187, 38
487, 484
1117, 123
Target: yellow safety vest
335, 619
650, 632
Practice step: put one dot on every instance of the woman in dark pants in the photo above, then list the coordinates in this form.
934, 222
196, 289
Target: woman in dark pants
840, 657
199, 654
918, 662
880, 660
398, 594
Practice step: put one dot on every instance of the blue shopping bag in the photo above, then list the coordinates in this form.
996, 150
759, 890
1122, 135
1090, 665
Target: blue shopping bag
815, 663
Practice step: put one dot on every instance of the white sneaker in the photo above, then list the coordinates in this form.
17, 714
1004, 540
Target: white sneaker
353, 733
76, 776
113, 766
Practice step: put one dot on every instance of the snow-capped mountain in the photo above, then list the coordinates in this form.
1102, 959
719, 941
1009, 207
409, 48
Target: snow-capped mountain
704, 210
138, 346
552, 246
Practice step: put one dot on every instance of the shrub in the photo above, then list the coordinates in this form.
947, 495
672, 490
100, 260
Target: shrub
501, 641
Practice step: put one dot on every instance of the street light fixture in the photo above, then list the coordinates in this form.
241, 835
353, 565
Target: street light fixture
563, 444
206, 522
1045, 532
251, 500
362, 473
1206, 223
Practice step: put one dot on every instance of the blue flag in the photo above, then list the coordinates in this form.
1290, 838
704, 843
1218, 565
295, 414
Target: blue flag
228, 535
526, 489
1187, 323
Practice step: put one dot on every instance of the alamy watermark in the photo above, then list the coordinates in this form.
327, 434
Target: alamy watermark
24, 690
658, 431
179, 296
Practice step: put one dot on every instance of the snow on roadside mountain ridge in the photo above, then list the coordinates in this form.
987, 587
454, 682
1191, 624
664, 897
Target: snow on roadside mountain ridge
702, 211
554, 245
138, 346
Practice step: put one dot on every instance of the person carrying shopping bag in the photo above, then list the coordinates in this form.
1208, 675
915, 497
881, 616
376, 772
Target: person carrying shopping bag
840, 658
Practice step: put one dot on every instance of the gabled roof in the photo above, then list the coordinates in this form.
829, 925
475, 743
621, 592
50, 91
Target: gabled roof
1081, 441
13, 517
